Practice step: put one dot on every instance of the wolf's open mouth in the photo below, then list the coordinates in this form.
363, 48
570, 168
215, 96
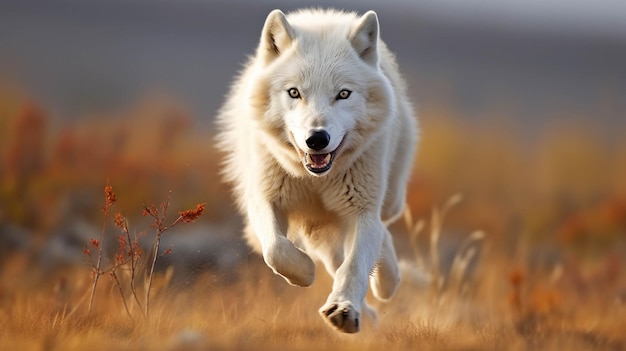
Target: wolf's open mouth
319, 163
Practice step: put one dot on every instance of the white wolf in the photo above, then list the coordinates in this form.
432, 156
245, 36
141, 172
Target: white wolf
320, 137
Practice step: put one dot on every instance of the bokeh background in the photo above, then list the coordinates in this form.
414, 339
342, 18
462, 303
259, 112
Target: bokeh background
522, 107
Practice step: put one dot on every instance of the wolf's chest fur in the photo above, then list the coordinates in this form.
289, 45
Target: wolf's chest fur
337, 195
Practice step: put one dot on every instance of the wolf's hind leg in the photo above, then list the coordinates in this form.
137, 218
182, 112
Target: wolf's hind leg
386, 276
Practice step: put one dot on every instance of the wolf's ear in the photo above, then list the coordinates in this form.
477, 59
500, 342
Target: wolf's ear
277, 36
364, 37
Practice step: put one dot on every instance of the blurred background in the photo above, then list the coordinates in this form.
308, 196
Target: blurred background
522, 107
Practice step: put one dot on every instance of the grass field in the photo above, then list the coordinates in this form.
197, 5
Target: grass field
546, 270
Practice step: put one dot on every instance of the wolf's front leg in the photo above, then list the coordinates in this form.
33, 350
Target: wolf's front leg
279, 253
345, 303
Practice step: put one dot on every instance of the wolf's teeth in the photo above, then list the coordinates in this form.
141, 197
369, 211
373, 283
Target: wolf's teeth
318, 160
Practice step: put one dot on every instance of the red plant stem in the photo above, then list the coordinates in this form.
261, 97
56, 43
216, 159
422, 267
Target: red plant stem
119, 286
155, 249
99, 263
133, 266
159, 218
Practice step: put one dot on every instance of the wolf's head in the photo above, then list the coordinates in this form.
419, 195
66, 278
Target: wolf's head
320, 88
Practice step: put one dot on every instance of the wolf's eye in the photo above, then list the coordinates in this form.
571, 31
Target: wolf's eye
293, 93
344, 94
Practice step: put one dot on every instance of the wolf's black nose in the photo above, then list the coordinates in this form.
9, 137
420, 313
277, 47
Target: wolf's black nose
318, 140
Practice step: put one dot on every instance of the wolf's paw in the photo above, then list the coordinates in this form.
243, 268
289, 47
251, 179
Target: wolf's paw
341, 316
290, 263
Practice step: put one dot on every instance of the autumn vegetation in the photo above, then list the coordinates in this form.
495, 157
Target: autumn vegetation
514, 238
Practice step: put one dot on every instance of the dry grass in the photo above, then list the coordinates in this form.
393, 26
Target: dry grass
260, 311
531, 258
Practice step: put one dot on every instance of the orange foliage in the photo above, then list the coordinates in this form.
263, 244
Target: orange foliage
26, 151
191, 215
600, 224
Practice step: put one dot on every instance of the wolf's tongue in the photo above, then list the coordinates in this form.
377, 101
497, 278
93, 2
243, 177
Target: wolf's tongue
319, 160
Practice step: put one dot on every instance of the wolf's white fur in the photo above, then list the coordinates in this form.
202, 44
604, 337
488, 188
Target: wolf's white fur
334, 211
